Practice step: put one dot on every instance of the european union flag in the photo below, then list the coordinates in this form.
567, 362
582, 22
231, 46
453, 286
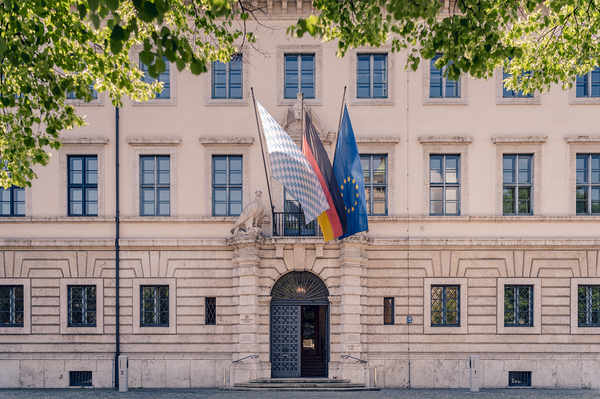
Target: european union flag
349, 175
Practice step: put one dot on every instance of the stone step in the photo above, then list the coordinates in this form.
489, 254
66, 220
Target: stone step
299, 385
297, 380
279, 388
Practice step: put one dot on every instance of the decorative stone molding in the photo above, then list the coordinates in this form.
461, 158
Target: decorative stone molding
445, 139
377, 140
464, 89
245, 100
537, 306
228, 141
84, 140
293, 126
317, 50
143, 141
518, 139
240, 241
353, 53
335, 299
463, 314
172, 328
64, 306
582, 139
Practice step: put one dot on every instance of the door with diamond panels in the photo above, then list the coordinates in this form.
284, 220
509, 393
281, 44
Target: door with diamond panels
285, 341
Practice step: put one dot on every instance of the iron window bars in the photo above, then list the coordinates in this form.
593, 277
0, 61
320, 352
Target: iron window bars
375, 173
444, 185
441, 86
588, 184
227, 78
445, 306
517, 184
11, 306
519, 378
227, 185
388, 311
80, 378
588, 85
210, 311
154, 306
164, 77
588, 306
155, 189
82, 306
299, 75
83, 185
518, 305
371, 76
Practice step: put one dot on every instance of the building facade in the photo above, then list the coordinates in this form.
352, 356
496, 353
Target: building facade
484, 210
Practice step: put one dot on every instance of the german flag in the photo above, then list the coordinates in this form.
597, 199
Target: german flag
333, 220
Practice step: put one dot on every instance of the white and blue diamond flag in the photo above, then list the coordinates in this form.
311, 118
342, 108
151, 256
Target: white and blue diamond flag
292, 169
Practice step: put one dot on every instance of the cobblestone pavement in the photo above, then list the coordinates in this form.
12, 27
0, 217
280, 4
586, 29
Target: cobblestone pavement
217, 394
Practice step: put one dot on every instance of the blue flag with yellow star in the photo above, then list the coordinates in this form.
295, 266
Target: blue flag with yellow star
349, 174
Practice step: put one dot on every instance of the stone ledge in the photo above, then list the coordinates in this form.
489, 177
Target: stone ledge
377, 140
519, 139
582, 139
84, 140
153, 140
527, 219
445, 139
226, 141
60, 219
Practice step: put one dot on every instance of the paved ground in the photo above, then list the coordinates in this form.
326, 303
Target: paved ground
216, 394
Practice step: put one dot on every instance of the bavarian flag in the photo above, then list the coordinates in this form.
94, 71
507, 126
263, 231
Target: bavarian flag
333, 220
349, 174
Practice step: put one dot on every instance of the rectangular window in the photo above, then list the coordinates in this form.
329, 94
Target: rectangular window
445, 306
299, 75
519, 378
518, 306
371, 79
388, 311
80, 378
164, 77
444, 185
517, 186
155, 189
82, 305
588, 184
12, 201
73, 96
83, 185
375, 171
11, 306
588, 85
441, 86
210, 311
507, 93
227, 78
227, 185
155, 305
588, 306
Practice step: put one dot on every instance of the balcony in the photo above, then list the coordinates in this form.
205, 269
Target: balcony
293, 224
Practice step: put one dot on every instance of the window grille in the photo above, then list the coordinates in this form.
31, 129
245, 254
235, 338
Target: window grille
519, 378
227, 185
82, 305
164, 77
80, 378
588, 306
210, 311
11, 306
440, 86
444, 185
518, 305
227, 78
375, 172
517, 180
83, 185
371, 79
388, 310
588, 184
299, 75
588, 85
445, 306
154, 306
155, 190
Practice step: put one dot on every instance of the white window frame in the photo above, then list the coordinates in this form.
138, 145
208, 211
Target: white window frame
354, 53
537, 306
464, 89
282, 50
26, 329
134, 57
64, 306
172, 328
463, 316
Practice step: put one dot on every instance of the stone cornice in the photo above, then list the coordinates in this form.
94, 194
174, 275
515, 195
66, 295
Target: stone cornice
84, 140
582, 139
445, 139
245, 141
140, 141
519, 139
377, 140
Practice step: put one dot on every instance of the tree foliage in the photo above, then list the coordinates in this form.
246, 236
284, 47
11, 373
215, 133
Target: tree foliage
49, 48
539, 42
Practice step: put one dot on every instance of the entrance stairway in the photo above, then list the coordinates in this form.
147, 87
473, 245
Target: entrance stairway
299, 384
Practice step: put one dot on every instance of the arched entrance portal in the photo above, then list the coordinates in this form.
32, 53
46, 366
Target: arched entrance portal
299, 326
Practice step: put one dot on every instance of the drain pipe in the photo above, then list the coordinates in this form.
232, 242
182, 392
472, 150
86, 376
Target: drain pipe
117, 305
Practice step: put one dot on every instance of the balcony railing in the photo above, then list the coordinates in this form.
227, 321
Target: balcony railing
293, 224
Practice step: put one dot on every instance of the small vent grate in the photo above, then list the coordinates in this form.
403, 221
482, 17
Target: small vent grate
80, 378
210, 311
519, 378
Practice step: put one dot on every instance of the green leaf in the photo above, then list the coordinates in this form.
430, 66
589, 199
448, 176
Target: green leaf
198, 66
147, 57
112, 5
95, 20
180, 64
118, 34
150, 9
82, 10
93, 5
2, 46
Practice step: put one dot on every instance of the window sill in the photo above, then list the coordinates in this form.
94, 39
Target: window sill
226, 102
584, 100
156, 102
446, 101
531, 218
537, 100
371, 101
175, 219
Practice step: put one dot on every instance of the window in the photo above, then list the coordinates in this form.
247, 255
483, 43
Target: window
518, 305
588, 85
588, 306
80, 378
299, 75
155, 191
73, 96
210, 311
291, 222
444, 189
12, 201
441, 86
154, 306
83, 185
82, 305
227, 78
507, 93
371, 71
588, 184
164, 77
11, 306
375, 171
517, 184
227, 185
445, 306
388, 311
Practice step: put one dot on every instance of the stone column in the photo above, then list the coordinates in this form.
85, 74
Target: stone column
245, 331
352, 267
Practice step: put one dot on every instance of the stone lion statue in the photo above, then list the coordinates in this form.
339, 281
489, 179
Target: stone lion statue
250, 216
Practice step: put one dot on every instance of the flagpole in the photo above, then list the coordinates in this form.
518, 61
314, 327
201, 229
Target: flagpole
340, 123
302, 126
262, 150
